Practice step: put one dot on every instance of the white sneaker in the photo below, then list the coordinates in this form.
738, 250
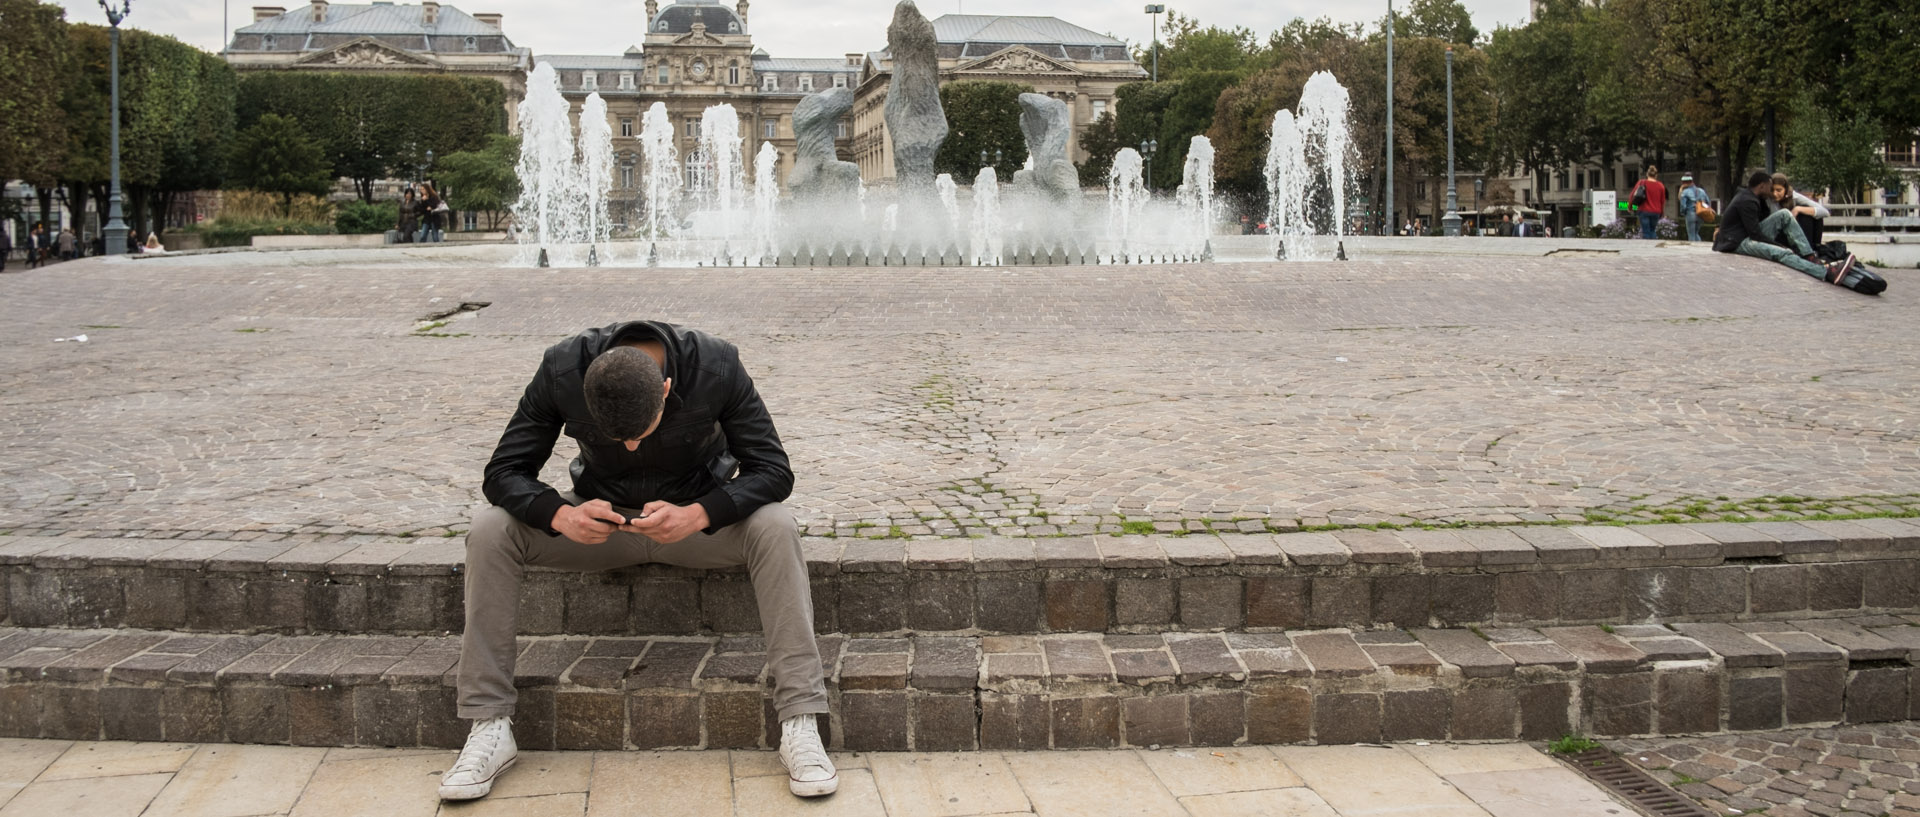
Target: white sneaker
490, 751
809, 772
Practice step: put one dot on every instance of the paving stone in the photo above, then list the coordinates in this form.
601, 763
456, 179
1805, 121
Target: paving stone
1597, 650
1554, 545
1616, 543
1734, 646
1473, 655
1740, 541
1313, 549
1333, 654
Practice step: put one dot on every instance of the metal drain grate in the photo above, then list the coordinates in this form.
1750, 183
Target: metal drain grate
1637, 787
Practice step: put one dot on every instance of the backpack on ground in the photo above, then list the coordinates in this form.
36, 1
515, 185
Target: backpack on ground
1831, 251
1863, 280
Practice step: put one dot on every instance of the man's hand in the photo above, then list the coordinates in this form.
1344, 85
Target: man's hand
667, 523
588, 523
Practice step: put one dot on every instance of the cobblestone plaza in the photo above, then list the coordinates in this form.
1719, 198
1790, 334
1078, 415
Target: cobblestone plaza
298, 394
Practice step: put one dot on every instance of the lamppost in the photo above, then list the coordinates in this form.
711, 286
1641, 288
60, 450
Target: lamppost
115, 233
997, 155
1451, 221
1147, 148
1390, 200
1156, 9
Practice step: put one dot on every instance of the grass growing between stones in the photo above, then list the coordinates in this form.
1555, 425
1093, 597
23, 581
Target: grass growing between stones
1572, 743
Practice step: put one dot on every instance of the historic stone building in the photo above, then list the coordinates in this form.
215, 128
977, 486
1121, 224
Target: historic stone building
382, 36
692, 55
1056, 57
696, 54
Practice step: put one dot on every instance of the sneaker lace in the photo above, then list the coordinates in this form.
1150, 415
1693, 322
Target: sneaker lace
482, 740
803, 744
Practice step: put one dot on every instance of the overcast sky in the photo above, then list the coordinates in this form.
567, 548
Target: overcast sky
785, 28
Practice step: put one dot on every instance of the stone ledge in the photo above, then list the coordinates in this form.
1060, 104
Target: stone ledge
963, 693
1532, 576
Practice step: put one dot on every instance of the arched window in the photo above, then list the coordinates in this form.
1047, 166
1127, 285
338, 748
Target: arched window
266, 43
733, 28
733, 73
472, 44
662, 26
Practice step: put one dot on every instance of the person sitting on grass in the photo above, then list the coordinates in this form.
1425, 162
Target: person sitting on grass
1746, 229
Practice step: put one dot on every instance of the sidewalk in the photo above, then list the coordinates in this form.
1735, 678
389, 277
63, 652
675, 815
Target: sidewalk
40, 778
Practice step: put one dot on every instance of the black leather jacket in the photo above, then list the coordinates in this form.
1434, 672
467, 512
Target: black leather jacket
715, 445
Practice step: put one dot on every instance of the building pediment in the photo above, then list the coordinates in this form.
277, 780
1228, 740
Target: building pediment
698, 36
367, 53
1015, 59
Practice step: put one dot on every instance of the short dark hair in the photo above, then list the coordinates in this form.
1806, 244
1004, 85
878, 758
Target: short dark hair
1758, 178
624, 392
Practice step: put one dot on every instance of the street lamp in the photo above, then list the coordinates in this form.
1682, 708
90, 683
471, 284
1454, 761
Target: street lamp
1156, 10
1147, 148
1390, 200
1451, 221
997, 155
115, 233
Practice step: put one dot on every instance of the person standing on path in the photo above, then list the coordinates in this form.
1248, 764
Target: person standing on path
6, 246
67, 244
1691, 197
679, 464
1649, 200
33, 247
409, 217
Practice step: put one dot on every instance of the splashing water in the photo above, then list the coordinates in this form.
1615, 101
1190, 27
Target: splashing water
726, 176
1126, 197
1195, 196
949, 199
1306, 167
662, 186
766, 197
548, 211
986, 217
596, 168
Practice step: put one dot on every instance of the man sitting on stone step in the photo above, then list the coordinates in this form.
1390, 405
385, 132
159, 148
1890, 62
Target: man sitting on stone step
679, 464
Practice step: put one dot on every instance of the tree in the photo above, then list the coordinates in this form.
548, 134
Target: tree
1860, 54
33, 57
1188, 113
375, 126
1186, 48
1445, 20
1841, 156
1100, 141
482, 179
276, 156
981, 116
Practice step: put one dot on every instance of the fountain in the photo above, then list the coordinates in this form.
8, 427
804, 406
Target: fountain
661, 186
985, 237
698, 209
766, 199
1306, 166
596, 170
1126, 199
1194, 199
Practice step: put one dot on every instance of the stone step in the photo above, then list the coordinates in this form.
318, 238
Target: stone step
932, 693
1521, 575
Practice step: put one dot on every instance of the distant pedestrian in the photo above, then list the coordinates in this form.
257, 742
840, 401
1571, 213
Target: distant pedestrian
409, 216
433, 213
67, 244
1649, 201
33, 247
153, 244
6, 247
1691, 197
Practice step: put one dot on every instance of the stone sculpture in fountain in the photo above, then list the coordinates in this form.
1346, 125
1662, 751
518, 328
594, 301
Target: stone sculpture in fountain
817, 173
915, 120
1046, 124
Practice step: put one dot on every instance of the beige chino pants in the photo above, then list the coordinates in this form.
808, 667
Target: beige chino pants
500, 548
